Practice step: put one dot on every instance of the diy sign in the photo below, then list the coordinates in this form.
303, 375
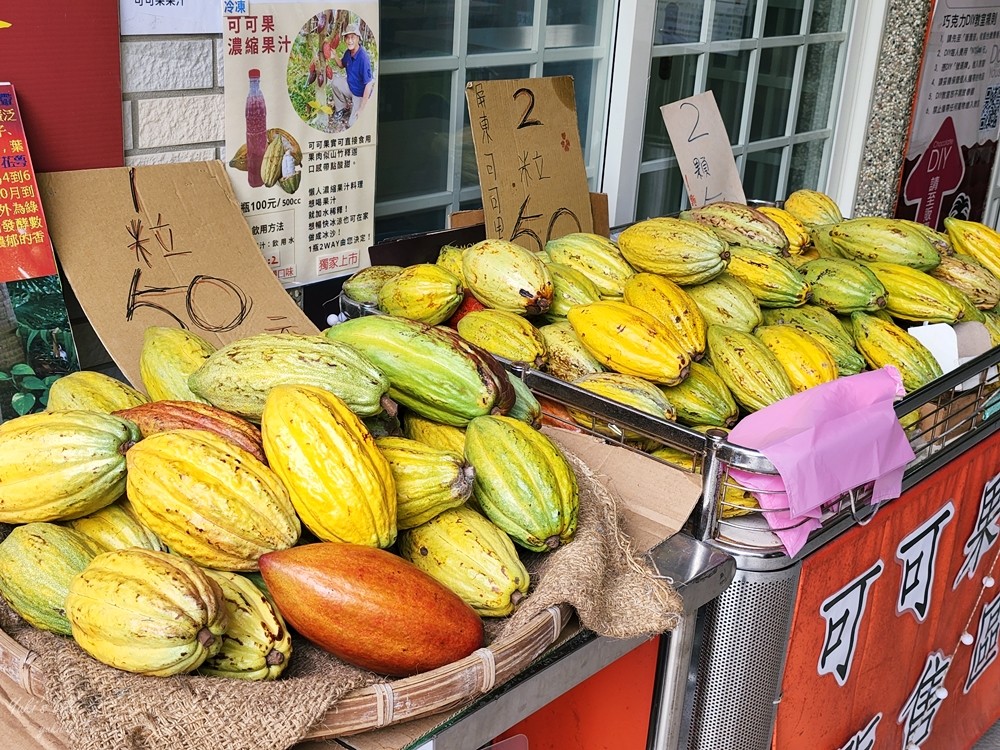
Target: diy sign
704, 156
531, 169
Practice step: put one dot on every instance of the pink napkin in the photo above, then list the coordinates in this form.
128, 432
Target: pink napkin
824, 442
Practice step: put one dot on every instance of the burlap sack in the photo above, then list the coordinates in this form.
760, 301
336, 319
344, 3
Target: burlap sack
614, 592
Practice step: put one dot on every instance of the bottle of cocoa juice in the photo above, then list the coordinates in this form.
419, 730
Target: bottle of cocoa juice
256, 116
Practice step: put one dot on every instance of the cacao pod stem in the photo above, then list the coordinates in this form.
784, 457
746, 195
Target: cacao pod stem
389, 406
274, 657
552, 542
205, 637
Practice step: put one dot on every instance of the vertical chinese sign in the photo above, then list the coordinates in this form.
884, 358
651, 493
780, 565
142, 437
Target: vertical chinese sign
36, 342
301, 108
956, 116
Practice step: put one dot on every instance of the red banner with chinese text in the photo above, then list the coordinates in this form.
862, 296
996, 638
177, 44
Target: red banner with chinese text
877, 656
25, 249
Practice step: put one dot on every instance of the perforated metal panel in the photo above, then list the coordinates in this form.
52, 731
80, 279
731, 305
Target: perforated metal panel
744, 641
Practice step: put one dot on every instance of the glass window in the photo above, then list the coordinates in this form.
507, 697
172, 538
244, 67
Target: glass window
762, 175
501, 25
412, 222
827, 15
817, 87
806, 165
783, 17
727, 79
416, 30
775, 77
678, 22
670, 79
413, 133
660, 193
571, 23
733, 19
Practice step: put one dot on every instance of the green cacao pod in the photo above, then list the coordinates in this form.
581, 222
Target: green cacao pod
568, 359
570, 287
340, 483
147, 612
431, 369
596, 257
843, 286
471, 556
238, 376
364, 286
427, 480
526, 406
629, 390
504, 334
727, 301
209, 500
61, 465
523, 482
702, 398
754, 377
37, 562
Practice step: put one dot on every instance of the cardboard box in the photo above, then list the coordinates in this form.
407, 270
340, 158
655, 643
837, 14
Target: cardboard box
656, 501
164, 245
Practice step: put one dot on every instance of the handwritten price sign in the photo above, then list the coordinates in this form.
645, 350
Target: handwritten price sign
704, 156
531, 169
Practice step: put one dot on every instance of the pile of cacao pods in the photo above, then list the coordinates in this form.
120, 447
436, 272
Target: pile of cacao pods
371, 487
713, 314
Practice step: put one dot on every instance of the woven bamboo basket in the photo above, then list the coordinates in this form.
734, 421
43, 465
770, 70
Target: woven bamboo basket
382, 704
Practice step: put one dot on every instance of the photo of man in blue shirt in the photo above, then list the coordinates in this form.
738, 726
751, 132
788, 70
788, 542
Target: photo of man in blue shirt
355, 88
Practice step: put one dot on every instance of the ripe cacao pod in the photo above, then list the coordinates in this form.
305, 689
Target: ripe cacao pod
740, 224
61, 465
882, 343
504, 334
629, 390
340, 483
426, 292
472, 556
116, 526
727, 301
773, 280
805, 361
596, 257
752, 374
671, 305
435, 434
256, 645
166, 360
812, 207
568, 358
523, 482
209, 500
505, 276
364, 285
682, 251
427, 480
88, 390
147, 612
371, 608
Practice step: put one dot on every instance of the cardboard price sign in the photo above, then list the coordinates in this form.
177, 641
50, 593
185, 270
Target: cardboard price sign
531, 169
164, 245
701, 142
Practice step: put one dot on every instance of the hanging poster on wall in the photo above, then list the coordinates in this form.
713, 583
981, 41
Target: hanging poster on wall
956, 115
301, 107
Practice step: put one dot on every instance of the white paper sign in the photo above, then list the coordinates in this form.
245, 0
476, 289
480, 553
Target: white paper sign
170, 17
704, 156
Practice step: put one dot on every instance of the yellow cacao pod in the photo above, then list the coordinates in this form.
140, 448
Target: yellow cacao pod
630, 341
671, 305
426, 292
256, 644
966, 274
826, 329
37, 562
472, 557
238, 377
882, 343
427, 480
805, 361
813, 208
505, 276
209, 500
61, 465
270, 165
435, 434
628, 390
747, 367
596, 257
166, 360
116, 526
568, 358
793, 229
773, 281
504, 334
682, 251
339, 481
916, 296
364, 285
147, 612
450, 257
977, 240
570, 287
92, 391
727, 301
523, 482
883, 239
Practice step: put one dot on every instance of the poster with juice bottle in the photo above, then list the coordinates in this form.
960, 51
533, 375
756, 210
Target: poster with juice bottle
301, 106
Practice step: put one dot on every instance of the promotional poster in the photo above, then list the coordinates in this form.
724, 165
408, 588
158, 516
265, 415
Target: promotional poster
301, 110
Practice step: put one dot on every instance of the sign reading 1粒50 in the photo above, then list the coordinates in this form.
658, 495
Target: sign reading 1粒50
531, 170
301, 107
